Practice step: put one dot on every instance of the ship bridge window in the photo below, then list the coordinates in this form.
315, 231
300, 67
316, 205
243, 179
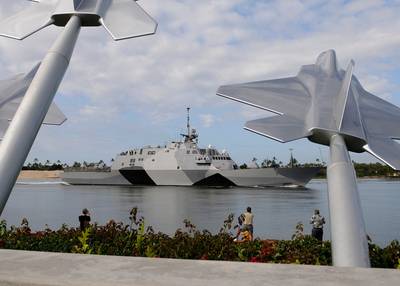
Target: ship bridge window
213, 152
194, 152
141, 151
166, 151
151, 152
133, 160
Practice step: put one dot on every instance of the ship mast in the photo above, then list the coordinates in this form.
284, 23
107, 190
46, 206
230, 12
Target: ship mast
188, 122
191, 134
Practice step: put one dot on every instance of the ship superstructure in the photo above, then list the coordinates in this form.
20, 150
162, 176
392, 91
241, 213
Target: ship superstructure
177, 163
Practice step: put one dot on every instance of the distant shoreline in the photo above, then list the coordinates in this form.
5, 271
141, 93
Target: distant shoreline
25, 174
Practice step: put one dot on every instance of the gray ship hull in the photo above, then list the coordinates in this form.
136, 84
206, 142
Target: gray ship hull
270, 176
112, 178
241, 177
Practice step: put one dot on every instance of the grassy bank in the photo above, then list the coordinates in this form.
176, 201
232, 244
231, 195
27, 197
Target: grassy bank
136, 239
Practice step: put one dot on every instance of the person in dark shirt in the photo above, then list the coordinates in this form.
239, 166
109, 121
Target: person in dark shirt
84, 219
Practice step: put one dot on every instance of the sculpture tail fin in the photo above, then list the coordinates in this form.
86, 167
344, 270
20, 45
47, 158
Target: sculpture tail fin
385, 149
281, 128
28, 21
343, 96
125, 19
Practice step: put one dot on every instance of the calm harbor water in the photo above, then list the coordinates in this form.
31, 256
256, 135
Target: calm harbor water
276, 210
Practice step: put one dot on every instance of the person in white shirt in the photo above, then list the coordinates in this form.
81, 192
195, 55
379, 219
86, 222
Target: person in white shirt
248, 222
318, 222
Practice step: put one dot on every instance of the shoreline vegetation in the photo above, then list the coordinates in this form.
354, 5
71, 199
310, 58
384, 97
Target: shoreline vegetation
137, 239
47, 169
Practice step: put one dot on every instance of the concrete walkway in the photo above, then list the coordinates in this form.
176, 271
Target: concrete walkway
37, 268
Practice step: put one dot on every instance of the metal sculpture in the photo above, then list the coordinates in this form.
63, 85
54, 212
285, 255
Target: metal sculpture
12, 92
123, 19
329, 106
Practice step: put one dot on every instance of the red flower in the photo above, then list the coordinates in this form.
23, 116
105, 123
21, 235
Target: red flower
254, 259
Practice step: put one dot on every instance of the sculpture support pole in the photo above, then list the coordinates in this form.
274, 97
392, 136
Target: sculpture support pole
349, 238
26, 123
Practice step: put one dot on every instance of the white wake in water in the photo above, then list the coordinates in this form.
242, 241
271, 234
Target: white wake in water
42, 183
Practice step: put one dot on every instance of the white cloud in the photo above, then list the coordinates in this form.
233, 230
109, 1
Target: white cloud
203, 44
207, 120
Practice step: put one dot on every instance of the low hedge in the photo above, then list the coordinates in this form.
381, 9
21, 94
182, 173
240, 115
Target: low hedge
117, 238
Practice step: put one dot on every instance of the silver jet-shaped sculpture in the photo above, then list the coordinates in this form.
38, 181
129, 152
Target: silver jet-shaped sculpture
123, 19
329, 107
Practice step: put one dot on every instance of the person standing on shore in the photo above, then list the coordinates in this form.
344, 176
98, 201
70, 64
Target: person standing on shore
84, 219
248, 222
318, 222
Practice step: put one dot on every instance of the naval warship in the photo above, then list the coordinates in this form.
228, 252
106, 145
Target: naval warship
184, 163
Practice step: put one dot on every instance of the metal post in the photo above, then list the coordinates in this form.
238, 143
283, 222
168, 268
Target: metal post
25, 125
349, 239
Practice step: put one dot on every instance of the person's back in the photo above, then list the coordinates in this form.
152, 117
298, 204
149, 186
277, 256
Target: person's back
248, 218
248, 222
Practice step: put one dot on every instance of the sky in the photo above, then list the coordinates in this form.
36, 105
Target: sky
126, 94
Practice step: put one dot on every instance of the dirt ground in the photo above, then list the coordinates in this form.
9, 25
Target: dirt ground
39, 174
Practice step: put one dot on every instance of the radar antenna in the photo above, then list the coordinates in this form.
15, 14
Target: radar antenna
191, 134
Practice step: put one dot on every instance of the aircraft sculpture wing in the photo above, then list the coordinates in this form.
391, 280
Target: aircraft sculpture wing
286, 97
381, 122
12, 92
281, 96
28, 21
124, 19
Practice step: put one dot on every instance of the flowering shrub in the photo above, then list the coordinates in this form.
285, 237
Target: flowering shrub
135, 239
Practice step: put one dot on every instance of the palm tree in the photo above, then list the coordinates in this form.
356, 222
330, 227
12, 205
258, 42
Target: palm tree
76, 165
